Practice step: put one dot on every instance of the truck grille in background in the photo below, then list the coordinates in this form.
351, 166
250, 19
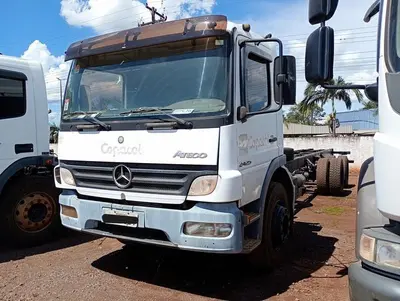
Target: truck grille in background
146, 178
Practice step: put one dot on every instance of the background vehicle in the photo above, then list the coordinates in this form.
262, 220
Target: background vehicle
29, 210
376, 274
172, 134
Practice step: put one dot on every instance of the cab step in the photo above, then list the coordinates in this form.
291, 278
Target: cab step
250, 244
250, 217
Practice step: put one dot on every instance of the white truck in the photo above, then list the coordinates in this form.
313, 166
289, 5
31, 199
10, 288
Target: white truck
29, 209
172, 134
376, 274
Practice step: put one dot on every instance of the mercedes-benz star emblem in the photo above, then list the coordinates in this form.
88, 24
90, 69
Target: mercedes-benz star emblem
122, 176
120, 139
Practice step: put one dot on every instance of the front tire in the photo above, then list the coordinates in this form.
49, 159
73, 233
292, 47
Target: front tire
30, 211
277, 228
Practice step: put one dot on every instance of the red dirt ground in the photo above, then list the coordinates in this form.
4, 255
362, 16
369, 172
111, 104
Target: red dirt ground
80, 267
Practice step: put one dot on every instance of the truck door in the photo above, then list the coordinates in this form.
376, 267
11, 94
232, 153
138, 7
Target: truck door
257, 136
17, 117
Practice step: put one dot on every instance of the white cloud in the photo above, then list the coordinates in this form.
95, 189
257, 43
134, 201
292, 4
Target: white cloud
355, 41
53, 67
102, 16
106, 16
354, 48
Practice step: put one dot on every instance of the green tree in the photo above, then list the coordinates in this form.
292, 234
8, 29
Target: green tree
370, 105
314, 94
308, 116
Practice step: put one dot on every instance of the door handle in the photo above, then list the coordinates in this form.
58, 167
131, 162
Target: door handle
273, 139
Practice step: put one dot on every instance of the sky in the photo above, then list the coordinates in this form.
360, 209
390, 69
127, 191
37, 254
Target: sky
45, 31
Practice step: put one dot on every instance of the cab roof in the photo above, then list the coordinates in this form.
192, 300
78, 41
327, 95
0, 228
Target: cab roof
158, 33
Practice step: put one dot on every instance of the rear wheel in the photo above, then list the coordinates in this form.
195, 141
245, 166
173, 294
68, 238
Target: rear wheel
29, 211
323, 166
336, 176
277, 228
345, 163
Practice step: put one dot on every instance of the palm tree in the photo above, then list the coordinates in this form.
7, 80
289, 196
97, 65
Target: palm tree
371, 105
314, 94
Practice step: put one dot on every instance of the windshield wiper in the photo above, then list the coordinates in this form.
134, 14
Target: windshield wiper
180, 121
88, 117
96, 121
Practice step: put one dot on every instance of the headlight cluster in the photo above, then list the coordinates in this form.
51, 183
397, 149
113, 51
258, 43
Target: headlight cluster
204, 185
67, 177
381, 252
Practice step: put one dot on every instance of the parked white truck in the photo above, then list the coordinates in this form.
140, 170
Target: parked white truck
172, 134
29, 209
376, 274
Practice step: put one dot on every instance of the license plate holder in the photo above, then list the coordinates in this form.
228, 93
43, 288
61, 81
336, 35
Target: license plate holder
120, 217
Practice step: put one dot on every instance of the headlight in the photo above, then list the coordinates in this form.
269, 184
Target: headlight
388, 253
203, 185
67, 176
367, 247
380, 252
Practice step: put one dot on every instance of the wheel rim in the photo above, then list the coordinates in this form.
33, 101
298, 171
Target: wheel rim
280, 225
34, 212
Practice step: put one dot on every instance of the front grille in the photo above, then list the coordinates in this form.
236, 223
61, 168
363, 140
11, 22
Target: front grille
146, 178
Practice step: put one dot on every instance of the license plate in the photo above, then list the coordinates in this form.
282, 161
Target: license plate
120, 217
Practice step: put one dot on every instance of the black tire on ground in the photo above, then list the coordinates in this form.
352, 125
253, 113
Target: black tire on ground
30, 211
322, 175
345, 162
289, 152
277, 228
336, 176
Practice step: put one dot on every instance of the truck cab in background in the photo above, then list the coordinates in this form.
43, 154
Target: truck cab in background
29, 210
376, 274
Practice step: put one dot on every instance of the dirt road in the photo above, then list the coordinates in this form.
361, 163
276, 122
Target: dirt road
80, 267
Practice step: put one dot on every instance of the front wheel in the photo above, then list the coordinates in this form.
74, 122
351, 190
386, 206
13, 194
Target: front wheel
277, 228
29, 211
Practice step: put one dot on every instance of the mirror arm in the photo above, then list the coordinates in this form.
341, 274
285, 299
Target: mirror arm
360, 87
372, 11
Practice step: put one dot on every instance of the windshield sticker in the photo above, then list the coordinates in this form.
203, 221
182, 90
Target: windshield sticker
219, 42
66, 104
183, 111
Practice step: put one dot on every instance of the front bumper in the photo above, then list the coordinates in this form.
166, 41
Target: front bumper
365, 285
168, 222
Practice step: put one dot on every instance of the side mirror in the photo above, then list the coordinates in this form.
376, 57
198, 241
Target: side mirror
320, 11
371, 91
319, 55
288, 79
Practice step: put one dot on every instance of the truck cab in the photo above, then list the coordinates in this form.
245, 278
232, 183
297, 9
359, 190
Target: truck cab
375, 275
28, 198
172, 134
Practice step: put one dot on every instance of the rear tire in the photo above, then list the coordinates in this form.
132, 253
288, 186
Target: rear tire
345, 162
336, 176
323, 166
30, 211
277, 228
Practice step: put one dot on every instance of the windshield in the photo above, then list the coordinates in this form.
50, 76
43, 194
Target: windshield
186, 78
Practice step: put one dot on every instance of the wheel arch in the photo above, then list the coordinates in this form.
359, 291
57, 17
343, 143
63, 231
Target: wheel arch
16, 167
276, 172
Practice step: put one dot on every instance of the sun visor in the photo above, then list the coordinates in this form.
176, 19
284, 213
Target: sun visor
159, 33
